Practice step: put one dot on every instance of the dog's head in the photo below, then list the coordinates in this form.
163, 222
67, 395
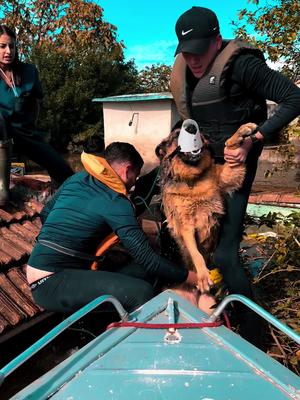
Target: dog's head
184, 165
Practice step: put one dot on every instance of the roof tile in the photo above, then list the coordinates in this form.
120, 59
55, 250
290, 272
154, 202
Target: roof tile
18, 215
10, 248
5, 258
19, 242
274, 198
3, 324
288, 198
21, 230
5, 217
18, 278
31, 227
17, 297
9, 310
19, 226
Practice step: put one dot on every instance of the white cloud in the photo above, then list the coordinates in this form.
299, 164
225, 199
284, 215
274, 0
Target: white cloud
152, 53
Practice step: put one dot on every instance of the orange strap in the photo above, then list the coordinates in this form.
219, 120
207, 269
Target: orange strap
109, 241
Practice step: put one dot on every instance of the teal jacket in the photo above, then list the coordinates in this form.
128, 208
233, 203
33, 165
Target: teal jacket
84, 213
20, 112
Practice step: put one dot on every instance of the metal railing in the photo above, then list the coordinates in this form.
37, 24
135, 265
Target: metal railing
256, 308
46, 339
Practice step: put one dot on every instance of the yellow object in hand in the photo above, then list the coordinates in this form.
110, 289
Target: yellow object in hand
216, 276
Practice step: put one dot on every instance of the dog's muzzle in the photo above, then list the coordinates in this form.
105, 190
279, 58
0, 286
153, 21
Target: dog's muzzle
191, 157
190, 142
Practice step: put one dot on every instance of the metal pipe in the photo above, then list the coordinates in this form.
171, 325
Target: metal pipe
46, 339
259, 310
171, 311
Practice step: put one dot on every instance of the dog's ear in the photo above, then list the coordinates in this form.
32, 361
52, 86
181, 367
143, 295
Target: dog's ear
163, 148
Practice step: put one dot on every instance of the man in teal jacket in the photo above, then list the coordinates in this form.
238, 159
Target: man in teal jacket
91, 208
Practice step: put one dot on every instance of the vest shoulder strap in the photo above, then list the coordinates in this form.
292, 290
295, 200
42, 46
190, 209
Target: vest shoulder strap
227, 55
177, 85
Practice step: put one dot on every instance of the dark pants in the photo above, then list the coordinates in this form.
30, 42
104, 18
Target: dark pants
70, 289
226, 256
44, 155
227, 259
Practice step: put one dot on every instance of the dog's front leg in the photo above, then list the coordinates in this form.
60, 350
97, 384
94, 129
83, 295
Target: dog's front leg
189, 242
230, 178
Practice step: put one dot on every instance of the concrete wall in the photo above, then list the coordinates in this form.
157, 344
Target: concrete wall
141, 123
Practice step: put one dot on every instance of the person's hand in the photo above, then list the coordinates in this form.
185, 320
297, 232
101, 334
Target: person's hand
201, 280
204, 280
238, 156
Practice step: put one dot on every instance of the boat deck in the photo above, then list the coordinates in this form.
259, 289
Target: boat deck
208, 364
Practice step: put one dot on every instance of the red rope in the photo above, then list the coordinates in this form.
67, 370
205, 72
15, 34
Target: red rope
227, 320
143, 325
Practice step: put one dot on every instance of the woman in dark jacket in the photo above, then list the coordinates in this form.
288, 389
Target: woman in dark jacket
20, 95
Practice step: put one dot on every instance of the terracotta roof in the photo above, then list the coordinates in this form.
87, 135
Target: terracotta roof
279, 196
16, 303
19, 226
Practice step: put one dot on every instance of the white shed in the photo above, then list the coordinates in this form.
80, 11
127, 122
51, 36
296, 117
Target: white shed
140, 119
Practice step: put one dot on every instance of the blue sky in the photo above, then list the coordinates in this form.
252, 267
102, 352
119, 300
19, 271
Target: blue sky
147, 27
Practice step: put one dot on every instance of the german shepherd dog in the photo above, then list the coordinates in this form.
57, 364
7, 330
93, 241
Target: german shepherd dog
193, 190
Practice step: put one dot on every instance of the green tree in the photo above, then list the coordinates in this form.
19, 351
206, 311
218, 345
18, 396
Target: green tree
64, 23
71, 83
78, 57
276, 26
155, 78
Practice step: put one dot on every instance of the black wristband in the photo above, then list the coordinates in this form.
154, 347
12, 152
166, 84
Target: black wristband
253, 137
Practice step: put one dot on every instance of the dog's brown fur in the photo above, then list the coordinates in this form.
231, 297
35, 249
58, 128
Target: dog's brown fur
193, 197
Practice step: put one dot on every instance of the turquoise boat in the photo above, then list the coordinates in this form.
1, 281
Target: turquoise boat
167, 349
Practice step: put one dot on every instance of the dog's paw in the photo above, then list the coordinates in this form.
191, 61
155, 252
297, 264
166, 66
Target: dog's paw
237, 138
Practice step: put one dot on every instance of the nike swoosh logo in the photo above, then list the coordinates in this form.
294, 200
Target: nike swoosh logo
186, 32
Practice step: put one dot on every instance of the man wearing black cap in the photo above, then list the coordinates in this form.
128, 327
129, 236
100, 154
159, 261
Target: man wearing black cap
223, 84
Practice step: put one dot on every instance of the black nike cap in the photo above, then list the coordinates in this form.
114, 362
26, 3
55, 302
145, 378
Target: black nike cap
195, 28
